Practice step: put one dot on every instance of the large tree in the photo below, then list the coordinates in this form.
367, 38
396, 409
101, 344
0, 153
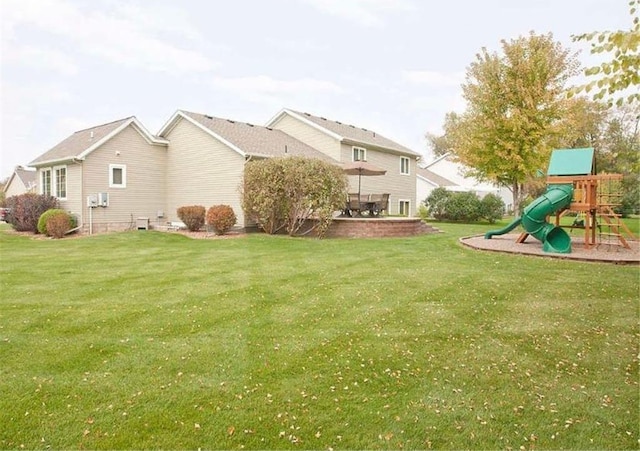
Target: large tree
620, 152
622, 73
513, 101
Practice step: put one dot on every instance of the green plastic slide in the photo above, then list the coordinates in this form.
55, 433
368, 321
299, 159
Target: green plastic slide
534, 220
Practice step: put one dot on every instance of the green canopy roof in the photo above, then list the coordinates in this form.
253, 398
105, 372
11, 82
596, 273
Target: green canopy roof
572, 162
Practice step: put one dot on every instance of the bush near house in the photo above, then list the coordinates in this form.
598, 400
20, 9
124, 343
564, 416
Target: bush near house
221, 218
492, 208
285, 192
25, 210
44, 217
436, 202
464, 206
58, 224
192, 216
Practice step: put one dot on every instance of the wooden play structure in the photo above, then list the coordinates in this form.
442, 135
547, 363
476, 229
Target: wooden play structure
573, 186
595, 197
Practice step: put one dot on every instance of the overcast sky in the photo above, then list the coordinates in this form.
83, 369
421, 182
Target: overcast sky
393, 66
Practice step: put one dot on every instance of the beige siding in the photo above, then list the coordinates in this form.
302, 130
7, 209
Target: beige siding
309, 135
201, 171
15, 188
73, 203
144, 194
399, 186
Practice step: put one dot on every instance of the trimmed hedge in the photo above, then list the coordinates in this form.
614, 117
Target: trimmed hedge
58, 224
192, 216
44, 217
221, 218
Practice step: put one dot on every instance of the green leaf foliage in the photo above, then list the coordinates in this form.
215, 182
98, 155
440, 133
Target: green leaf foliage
617, 78
491, 208
284, 193
437, 201
513, 100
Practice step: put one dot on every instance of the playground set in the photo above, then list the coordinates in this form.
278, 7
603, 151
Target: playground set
573, 186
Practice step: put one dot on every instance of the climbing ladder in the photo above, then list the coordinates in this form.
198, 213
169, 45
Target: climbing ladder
612, 226
608, 197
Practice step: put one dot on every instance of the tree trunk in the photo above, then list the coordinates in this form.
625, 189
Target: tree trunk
515, 190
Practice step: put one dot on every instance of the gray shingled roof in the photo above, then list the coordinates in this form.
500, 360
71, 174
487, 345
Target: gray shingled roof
356, 134
77, 143
27, 177
435, 178
255, 139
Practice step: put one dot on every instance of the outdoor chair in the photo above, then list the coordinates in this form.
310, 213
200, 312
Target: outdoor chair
381, 202
384, 204
353, 204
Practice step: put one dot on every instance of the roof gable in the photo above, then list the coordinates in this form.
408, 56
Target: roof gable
244, 138
83, 142
434, 178
345, 132
26, 177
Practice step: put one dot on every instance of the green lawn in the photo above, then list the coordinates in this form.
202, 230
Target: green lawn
151, 340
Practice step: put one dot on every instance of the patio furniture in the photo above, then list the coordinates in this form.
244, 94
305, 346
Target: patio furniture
380, 203
370, 204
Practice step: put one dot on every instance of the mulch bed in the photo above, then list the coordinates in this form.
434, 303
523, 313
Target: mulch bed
608, 252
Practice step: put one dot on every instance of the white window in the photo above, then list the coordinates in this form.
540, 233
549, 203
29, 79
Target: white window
359, 154
60, 181
404, 165
117, 176
45, 182
403, 207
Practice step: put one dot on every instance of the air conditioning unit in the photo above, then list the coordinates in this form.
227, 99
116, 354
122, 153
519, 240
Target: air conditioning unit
103, 199
92, 200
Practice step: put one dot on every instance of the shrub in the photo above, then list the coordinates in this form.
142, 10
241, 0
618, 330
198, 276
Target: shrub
423, 212
42, 222
26, 209
286, 192
221, 218
192, 216
58, 223
436, 202
464, 206
491, 208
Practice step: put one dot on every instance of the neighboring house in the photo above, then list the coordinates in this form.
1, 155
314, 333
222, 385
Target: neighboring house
111, 175
206, 158
346, 143
427, 181
454, 172
117, 167
21, 181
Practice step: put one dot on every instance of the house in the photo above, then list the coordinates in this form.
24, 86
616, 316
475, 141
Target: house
427, 181
206, 158
108, 175
21, 181
455, 173
347, 143
113, 175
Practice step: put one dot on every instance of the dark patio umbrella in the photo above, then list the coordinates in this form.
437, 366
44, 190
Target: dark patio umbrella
361, 168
